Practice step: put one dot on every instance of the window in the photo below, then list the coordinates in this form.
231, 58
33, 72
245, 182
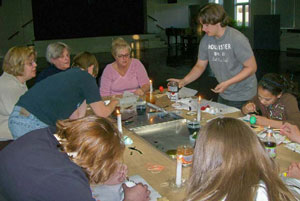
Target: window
242, 12
216, 1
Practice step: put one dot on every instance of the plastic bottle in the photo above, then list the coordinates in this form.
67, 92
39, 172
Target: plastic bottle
270, 143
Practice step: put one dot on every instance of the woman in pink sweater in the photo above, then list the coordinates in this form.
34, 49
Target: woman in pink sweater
124, 74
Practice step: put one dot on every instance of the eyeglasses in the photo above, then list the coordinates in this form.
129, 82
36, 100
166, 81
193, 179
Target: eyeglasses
30, 63
124, 56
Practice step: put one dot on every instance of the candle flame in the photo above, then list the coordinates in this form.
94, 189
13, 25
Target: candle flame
199, 98
150, 81
118, 111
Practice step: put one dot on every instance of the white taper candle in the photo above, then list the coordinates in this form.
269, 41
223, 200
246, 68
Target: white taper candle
151, 86
119, 121
199, 109
179, 171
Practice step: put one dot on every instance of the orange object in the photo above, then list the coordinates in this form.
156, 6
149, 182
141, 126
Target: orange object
154, 168
150, 97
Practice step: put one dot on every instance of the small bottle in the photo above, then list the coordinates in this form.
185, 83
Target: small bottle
270, 143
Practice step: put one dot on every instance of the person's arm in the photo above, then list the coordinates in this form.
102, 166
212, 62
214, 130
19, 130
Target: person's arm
119, 176
79, 112
249, 68
142, 77
291, 109
248, 108
106, 82
141, 91
102, 110
264, 121
291, 131
194, 74
138, 192
294, 170
9, 99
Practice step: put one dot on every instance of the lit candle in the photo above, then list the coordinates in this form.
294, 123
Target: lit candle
151, 86
119, 120
199, 110
179, 170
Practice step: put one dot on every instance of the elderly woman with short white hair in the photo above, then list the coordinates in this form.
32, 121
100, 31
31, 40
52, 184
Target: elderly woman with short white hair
58, 56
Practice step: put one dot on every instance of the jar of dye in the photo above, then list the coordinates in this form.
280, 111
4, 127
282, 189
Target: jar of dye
173, 90
187, 152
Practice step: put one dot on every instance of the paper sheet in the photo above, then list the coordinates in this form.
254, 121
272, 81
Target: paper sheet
186, 92
214, 108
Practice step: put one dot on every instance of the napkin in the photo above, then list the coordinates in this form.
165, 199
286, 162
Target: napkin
218, 108
294, 147
186, 92
186, 104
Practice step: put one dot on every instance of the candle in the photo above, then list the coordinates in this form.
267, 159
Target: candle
151, 86
199, 110
179, 170
119, 121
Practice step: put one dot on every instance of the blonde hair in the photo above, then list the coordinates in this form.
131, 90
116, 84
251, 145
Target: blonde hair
118, 44
84, 60
230, 161
15, 59
97, 143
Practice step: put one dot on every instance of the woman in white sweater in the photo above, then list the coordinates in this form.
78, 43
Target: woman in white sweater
19, 65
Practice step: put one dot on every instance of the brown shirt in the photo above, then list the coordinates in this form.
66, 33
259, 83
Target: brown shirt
284, 109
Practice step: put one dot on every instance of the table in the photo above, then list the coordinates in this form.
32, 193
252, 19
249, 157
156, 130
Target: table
137, 163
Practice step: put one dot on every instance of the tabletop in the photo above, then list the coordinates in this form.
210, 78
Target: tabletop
144, 156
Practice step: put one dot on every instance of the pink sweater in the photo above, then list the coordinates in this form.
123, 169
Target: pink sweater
113, 83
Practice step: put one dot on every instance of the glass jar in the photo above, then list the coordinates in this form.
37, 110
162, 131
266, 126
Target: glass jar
173, 90
187, 152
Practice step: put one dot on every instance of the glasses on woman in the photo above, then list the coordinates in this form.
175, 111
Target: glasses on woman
124, 56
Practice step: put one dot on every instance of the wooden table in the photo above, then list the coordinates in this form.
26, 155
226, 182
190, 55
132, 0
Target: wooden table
137, 163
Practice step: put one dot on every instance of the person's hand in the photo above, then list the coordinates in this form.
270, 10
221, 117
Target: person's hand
139, 192
262, 121
221, 87
139, 92
249, 107
294, 170
114, 101
181, 82
119, 176
291, 131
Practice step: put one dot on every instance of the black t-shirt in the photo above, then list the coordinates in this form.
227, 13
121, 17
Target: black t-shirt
58, 96
34, 169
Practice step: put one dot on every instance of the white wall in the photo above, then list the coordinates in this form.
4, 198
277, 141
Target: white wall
175, 15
